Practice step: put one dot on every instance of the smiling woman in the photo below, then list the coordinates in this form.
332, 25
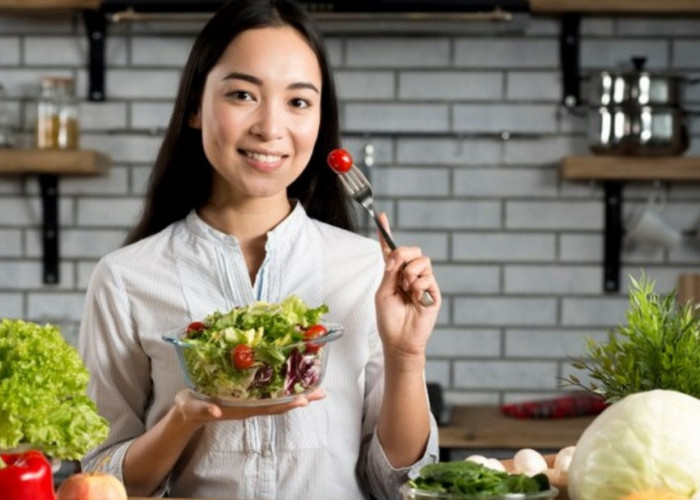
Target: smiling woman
241, 209
259, 115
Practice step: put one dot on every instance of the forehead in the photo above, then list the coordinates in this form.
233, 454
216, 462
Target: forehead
271, 54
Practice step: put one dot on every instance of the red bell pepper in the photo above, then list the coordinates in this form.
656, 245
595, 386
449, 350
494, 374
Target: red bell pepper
26, 475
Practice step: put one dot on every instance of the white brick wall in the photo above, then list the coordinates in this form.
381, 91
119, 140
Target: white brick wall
516, 249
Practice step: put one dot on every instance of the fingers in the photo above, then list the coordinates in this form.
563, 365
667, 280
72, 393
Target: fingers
197, 411
193, 411
411, 272
316, 395
410, 259
237, 413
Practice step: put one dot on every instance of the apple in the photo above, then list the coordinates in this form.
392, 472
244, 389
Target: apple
91, 486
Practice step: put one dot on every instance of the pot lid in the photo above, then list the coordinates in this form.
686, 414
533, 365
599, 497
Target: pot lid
638, 69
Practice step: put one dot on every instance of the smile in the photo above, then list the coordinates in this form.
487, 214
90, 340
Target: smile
263, 158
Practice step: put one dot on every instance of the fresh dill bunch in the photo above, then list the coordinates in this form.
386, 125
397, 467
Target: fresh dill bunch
659, 348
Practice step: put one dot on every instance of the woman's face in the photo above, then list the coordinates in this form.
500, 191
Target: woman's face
260, 113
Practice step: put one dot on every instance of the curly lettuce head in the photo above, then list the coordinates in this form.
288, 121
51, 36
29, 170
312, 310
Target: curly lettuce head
43, 399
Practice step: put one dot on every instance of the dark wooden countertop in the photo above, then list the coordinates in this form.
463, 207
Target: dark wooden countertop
485, 427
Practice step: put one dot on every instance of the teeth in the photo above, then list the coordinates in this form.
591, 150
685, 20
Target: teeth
263, 158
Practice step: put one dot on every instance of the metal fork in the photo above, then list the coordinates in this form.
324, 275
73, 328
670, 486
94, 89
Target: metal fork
358, 186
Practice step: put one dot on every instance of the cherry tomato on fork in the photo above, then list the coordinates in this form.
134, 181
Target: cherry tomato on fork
312, 332
242, 357
340, 161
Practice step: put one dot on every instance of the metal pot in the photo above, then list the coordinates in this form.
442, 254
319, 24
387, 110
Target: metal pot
637, 86
638, 130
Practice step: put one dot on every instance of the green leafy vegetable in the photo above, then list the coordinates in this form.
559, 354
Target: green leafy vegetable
657, 349
466, 477
43, 400
646, 442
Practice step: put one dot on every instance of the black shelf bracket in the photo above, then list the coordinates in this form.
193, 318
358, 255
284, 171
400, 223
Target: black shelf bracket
570, 59
613, 235
96, 27
49, 231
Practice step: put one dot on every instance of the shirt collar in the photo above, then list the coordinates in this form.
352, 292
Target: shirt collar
289, 228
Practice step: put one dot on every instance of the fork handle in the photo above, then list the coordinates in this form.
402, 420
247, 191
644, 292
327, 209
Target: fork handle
426, 299
387, 237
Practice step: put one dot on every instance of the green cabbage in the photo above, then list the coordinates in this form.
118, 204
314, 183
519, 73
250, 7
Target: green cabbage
43, 399
647, 440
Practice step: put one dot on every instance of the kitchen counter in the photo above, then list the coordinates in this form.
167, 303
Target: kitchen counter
486, 428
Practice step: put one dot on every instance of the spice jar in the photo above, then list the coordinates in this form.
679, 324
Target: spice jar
57, 114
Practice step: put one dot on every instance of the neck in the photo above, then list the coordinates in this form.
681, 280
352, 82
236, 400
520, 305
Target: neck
246, 221
249, 223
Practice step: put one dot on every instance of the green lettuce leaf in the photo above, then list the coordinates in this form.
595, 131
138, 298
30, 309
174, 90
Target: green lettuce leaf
43, 399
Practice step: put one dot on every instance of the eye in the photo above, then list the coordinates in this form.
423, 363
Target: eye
239, 95
300, 103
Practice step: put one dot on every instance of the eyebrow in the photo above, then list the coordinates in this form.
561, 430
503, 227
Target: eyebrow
257, 81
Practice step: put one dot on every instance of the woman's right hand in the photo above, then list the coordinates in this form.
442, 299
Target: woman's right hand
196, 412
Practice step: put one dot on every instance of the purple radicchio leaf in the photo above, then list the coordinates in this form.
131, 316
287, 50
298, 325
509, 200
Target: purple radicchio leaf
302, 369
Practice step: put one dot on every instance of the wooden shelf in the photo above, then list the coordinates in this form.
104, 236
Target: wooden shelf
49, 164
49, 4
625, 168
66, 162
616, 6
613, 171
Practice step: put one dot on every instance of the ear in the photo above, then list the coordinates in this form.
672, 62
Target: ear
195, 120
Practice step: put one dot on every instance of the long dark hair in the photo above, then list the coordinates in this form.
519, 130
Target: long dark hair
182, 176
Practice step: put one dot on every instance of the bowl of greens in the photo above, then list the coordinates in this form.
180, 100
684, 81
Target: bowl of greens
260, 354
466, 480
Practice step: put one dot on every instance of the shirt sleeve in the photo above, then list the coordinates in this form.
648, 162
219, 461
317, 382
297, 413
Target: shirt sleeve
383, 479
119, 369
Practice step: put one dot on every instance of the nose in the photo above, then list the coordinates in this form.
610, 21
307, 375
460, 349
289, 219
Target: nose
268, 123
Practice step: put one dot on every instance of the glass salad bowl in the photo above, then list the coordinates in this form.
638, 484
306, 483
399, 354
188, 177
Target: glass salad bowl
467, 480
256, 372
408, 493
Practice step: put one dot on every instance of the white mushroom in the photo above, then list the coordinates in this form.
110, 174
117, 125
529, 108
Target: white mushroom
495, 464
479, 459
491, 463
529, 462
561, 464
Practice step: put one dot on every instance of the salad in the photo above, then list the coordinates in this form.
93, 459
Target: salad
257, 352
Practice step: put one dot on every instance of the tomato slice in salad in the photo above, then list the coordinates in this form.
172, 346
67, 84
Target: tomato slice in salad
194, 328
312, 332
242, 357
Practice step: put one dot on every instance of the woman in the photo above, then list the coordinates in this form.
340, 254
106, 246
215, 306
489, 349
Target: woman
241, 207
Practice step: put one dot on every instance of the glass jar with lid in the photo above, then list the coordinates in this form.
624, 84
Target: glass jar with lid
57, 114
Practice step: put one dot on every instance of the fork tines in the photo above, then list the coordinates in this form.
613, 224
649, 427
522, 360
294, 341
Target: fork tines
355, 181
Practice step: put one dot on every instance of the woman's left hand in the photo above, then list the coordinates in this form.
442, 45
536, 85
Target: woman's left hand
404, 323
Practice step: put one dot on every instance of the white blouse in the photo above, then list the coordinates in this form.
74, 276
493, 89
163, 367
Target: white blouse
148, 289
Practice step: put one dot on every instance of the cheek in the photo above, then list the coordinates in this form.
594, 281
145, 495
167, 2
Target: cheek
219, 122
307, 133
221, 125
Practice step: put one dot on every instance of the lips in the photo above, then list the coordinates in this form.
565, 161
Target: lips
269, 158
